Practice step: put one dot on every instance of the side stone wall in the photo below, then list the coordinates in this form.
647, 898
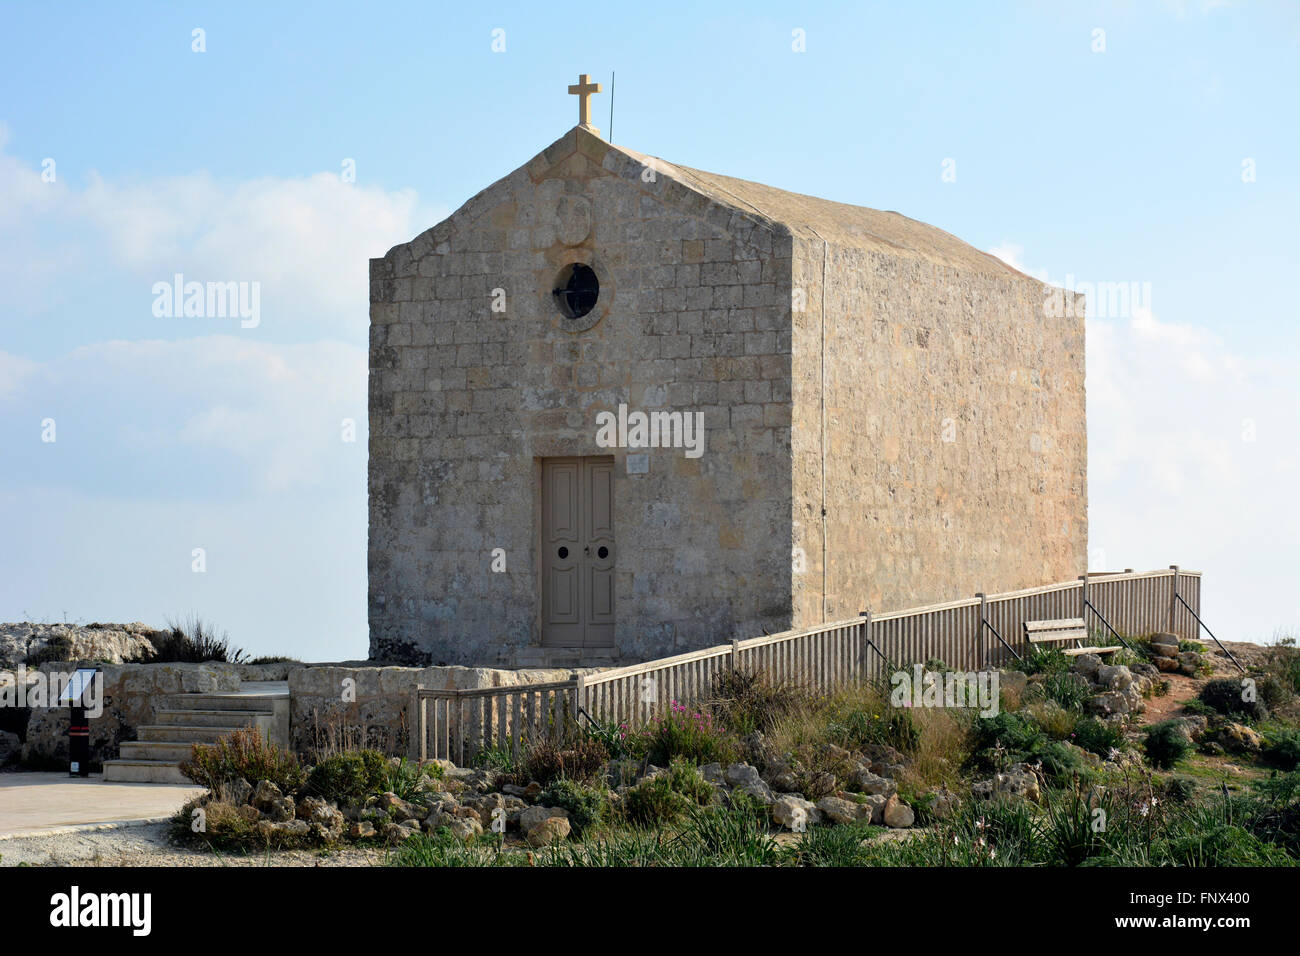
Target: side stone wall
956, 443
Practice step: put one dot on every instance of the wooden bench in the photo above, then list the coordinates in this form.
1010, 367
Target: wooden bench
1065, 629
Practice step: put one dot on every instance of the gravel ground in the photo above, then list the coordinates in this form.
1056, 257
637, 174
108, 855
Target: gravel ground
148, 845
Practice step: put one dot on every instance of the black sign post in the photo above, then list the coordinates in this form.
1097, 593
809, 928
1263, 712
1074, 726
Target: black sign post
74, 695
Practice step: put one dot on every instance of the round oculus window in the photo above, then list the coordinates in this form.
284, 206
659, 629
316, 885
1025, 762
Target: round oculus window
576, 290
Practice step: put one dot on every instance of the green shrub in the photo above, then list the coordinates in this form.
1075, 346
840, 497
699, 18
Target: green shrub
1047, 661
1225, 695
494, 757
744, 703
442, 849
244, 754
1067, 690
193, 641
681, 732
1060, 761
1283, 662
1013, 733
832, 846
891, 727
1180, 789
726, 836
583, 759
1221, 845
1069, 836
666, 796
351, 776
1054, 720
1199, 708
1274, 691
1098, 736
407, 779
1166, 743
1282, 749
588, 806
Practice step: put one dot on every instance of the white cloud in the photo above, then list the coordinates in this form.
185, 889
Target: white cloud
305, 239
1013, 254
269, 415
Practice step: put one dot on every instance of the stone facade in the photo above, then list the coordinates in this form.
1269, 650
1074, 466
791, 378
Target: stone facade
766, 312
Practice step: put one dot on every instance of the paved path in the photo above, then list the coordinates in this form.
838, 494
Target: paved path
36, 802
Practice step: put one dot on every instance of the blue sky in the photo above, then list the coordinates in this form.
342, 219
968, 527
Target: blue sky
1121, 166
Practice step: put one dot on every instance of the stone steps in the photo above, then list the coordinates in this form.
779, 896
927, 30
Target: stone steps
212, 718
205, 734
184, 720
144, 771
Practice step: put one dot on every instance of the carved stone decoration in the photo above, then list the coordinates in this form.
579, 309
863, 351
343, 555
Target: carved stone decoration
573, 219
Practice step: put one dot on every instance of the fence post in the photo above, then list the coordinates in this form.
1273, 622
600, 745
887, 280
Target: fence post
1173, 598
864, 649
735, 655
419, 738
579, 705
981, 646
1083, 599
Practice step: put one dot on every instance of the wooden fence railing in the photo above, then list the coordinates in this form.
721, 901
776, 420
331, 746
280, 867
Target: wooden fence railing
457, 724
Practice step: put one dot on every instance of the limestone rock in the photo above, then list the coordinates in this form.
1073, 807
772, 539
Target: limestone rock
534, 816
839, 810
399, 809
463, 828
795, 812
237, 791
361, 830
107, 643
548, 831
266, 795
943, 803
712, 773
759, 791
742, 775
868, 782
1019, 782
898, 814
1165, 644
1117, 677
1238, 738
1110, 703
1087, 665
875, 804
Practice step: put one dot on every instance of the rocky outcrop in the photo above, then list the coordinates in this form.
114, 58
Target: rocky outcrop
1018, 783
100, 643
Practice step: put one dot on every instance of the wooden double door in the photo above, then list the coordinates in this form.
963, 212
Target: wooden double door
577, 551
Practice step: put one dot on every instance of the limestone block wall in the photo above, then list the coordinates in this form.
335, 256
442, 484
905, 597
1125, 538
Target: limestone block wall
955, 433
465, 401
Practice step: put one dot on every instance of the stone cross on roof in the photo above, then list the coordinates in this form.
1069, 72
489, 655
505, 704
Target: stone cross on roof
583, 90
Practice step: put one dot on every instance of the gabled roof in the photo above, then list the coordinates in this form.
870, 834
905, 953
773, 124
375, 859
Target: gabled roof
842, 224
804, 217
